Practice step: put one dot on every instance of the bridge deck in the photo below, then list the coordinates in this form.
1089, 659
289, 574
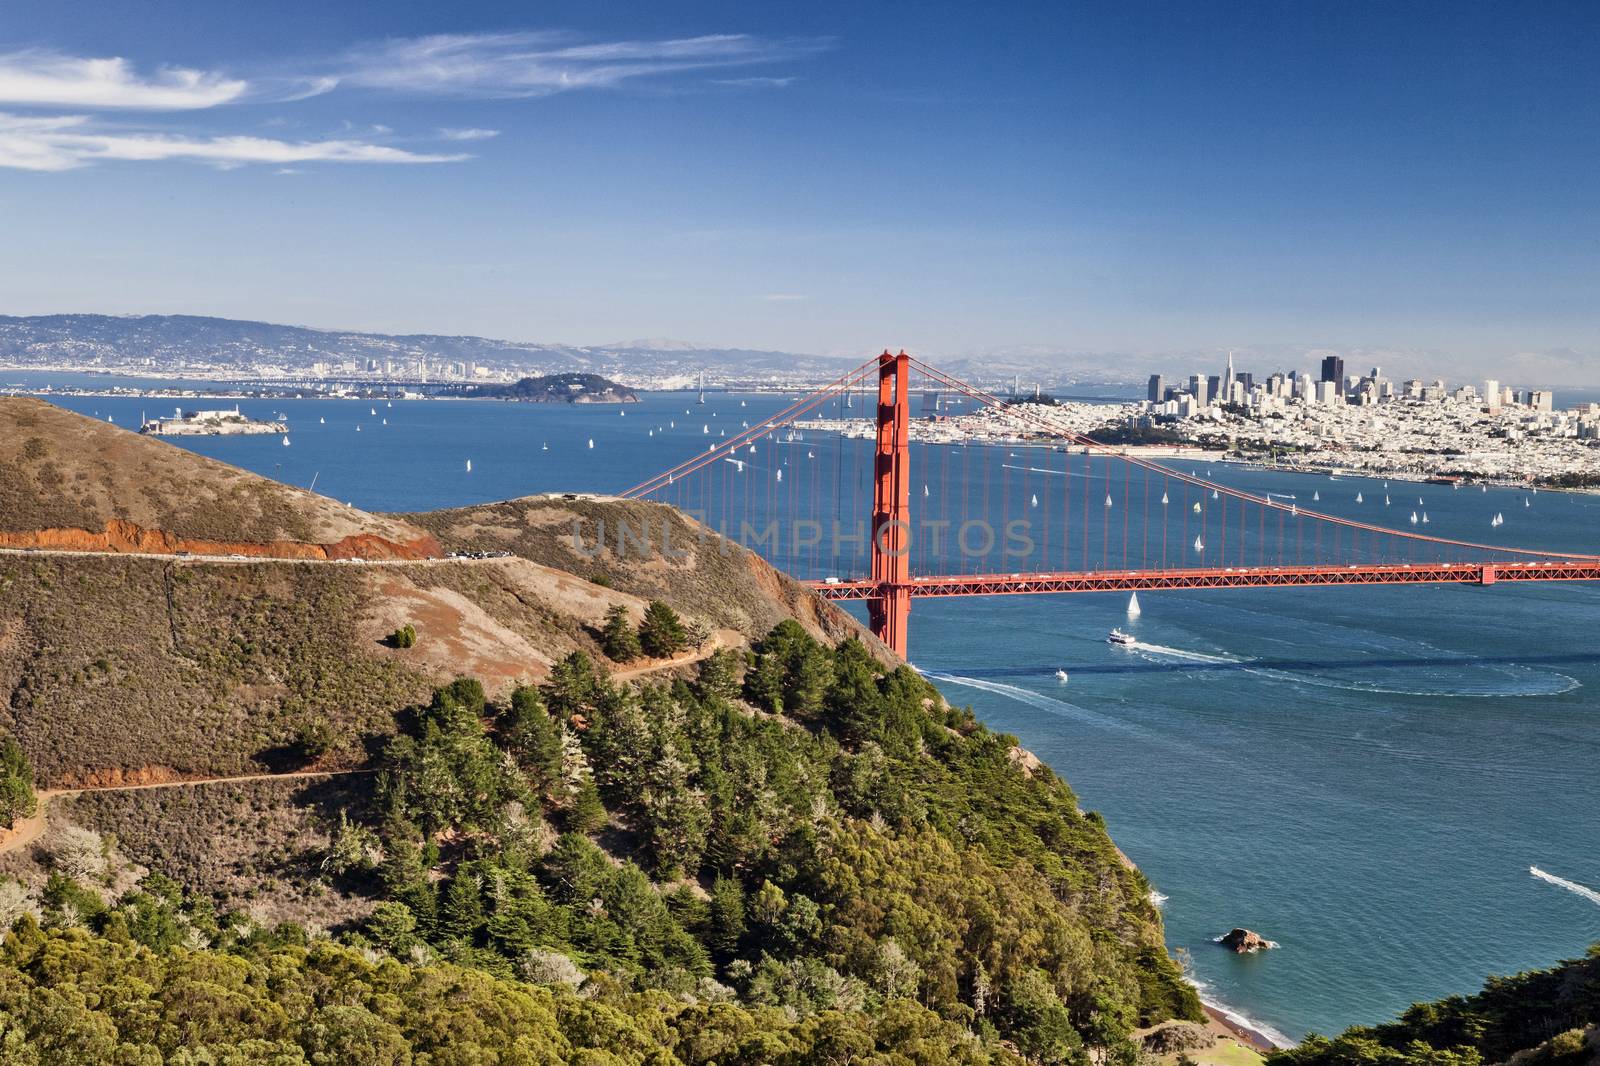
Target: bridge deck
1220, 578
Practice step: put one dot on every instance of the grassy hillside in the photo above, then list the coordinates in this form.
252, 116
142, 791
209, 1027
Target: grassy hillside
1531, 1019
664, 555
139, 668
64, 471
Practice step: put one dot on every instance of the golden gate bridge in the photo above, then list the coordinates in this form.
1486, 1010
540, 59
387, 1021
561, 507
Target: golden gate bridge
1062, 511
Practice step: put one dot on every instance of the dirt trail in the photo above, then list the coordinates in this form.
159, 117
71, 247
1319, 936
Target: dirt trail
27, 830
722, 638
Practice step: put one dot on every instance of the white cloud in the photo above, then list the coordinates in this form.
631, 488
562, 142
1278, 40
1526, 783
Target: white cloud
49, 79
70, 141
450, 134
539, 64
754, 83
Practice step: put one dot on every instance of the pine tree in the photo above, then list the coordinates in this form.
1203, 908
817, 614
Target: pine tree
588, 813
17, 799
619, 639
727, 916
461, 910
534, 739
661, 634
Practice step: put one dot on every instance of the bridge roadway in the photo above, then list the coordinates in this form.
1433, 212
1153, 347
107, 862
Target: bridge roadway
1220, 578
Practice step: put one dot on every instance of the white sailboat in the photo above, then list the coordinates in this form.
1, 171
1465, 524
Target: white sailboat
1108, 499
285, 442
1133, 605
1413, 518
1163, 499
1315, 495
372, 410
591, 442
1034, 502
322, 421
469, 466
1386, 499
1424, 517
546, 447
924, 488
1359, 499
1197, 507
778, 475
1527, 502
1199, 545
1213, 494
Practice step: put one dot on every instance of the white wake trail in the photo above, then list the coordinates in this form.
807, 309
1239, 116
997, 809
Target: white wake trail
1571, 886
1035, 699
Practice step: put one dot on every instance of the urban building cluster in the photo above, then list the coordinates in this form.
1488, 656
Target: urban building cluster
1273, 395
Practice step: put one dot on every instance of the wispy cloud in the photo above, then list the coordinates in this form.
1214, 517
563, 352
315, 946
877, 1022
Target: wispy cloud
66, 142
754, 83
450, 134
50, 79
783, 297
541, 64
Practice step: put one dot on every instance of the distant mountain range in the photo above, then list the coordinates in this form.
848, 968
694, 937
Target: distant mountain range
171, 344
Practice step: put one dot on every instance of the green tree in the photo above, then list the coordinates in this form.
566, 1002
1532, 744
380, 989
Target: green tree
661, 634
618, 638
727, 916
17, 799
533, 738
404, 637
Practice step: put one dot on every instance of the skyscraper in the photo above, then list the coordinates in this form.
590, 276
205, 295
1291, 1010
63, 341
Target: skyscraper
1333, 370
1156, 388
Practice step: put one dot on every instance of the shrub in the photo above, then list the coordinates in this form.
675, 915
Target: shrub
79, 854
313, 738
404, 637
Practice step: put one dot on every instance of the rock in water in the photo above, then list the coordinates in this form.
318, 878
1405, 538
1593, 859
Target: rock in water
1245, 942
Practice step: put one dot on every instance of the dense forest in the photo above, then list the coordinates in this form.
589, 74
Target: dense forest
1532, 1019
798, 856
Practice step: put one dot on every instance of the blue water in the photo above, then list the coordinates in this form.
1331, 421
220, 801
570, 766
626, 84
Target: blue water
1363, 775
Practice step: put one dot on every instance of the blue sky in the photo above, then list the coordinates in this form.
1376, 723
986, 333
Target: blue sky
828, 177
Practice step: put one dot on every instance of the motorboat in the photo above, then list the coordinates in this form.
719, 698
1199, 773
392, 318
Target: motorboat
1117, 636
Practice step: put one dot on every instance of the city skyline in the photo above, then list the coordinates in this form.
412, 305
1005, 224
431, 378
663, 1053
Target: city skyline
1106, 182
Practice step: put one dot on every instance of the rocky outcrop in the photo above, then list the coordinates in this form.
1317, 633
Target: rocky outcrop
1245, 942
1178, 1036
120, 536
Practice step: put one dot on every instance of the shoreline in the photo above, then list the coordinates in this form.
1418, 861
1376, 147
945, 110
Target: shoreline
1224, 1019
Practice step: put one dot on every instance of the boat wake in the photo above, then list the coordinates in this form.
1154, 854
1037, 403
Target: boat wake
1571, 886
1054, 706
1391, 678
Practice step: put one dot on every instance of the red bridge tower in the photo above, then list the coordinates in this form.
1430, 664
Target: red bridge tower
889, 611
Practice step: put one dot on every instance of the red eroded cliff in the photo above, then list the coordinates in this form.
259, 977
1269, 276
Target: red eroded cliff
121, 536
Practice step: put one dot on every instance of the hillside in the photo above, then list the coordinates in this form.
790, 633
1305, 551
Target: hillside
68, 481
665, 555
152, 667
673, 780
